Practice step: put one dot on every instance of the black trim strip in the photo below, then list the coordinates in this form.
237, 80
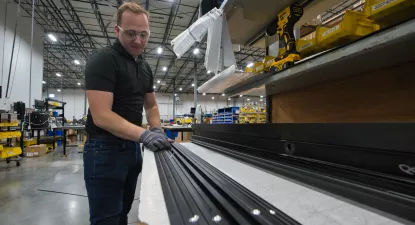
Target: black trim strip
193, 188
390, 194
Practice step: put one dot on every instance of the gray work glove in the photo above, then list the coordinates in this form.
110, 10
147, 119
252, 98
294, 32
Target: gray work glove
155, 141
158, 130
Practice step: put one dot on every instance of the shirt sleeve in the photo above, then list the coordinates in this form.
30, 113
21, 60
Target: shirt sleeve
100, 72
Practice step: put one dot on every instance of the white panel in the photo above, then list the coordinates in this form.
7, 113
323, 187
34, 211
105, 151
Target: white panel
21, 59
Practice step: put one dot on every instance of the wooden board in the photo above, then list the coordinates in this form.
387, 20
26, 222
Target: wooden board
386, 95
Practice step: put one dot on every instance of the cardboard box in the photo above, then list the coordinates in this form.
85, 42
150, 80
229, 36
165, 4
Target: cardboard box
35, 151
73, 139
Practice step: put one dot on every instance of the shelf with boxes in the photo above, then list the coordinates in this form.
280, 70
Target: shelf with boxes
253, 115
10, 130
228, 115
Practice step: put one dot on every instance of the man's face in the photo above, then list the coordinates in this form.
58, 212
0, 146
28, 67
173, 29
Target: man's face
133, 23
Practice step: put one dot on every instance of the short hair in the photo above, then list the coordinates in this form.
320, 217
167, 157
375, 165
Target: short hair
133, 7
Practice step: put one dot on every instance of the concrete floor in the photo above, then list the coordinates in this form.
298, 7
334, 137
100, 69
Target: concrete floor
48, 190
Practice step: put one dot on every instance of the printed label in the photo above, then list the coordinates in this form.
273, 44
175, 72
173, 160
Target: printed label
29, 154
329, 31
260, 68
381, 5
306, 46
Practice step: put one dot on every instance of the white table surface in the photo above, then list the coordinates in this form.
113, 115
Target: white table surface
304, 204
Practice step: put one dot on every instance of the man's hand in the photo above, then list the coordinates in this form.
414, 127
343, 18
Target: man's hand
155, 141
160, 131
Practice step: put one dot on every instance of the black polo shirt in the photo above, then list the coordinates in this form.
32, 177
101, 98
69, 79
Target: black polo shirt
113, 69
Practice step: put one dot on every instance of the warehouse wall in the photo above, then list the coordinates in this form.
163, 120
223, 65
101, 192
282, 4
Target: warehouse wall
20, 90
75, 102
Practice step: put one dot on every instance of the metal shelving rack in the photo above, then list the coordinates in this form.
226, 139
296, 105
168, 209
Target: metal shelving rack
9, 152
50, 106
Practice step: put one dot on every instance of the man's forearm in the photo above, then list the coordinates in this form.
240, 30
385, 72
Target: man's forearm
118, 126
153, 117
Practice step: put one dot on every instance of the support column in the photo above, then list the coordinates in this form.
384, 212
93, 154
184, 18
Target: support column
174, 99
85, 102
195, 86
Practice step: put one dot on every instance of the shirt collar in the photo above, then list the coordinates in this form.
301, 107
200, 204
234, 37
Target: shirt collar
118, 46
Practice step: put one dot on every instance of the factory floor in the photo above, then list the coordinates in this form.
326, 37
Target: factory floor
47, 190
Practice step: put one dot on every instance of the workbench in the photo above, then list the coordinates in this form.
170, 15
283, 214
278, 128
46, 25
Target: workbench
305, 204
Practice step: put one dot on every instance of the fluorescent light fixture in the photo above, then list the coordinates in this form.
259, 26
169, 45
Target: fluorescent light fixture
196, 51
262, 96
59, 90
249, 99
180, 89
193, 85
241, 96
209, 71
213, 97
204, 93
164, 69
159, 50
175, 94
261, 100
51, 95
76, 62
250, 65
52, 37
43, 82
58, 74
154, 87
223, 94
79, 84
158, 81
229, 99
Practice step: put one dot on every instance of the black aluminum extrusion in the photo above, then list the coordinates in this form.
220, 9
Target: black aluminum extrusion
197, 193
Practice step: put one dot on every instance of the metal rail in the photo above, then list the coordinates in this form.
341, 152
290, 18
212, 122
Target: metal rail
197, 192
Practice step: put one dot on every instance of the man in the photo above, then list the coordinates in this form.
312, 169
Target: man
119, 83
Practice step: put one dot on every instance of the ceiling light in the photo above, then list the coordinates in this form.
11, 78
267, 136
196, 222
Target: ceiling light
158, 81
43, 82
250, 65
262, 96
204, 93
196, 51
164, 69
261, 100
180, 89
154, 87
175, 94
213, 97
58, 74
229, 99
193, 85
209, 71
79, 84
52, 37
249, 99
241, 96
59, 90
223, 94
159, 50
76, 62
51, 95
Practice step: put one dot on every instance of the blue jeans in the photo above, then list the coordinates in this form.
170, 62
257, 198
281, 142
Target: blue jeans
111, 169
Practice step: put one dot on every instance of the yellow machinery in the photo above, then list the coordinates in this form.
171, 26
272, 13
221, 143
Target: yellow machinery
284, 27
